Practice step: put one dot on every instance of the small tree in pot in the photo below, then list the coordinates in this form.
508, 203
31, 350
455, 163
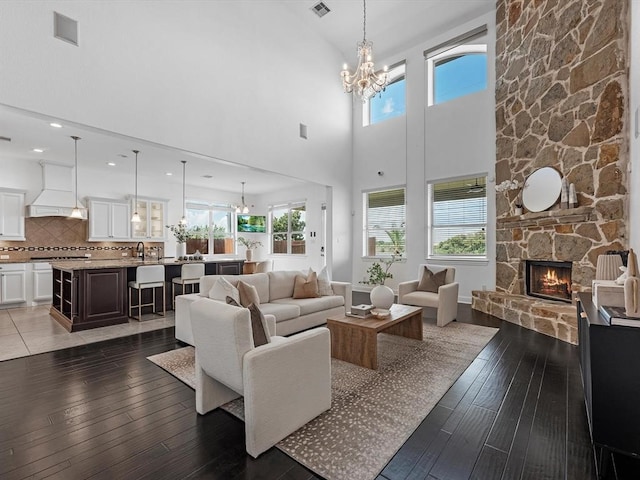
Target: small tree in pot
250, 245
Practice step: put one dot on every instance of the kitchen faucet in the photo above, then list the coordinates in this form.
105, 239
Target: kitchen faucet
140, 251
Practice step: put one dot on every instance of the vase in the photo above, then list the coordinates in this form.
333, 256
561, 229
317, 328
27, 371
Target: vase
181, 250
381, 296
249, 254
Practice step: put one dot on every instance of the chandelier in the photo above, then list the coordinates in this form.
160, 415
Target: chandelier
365, 81
244, 208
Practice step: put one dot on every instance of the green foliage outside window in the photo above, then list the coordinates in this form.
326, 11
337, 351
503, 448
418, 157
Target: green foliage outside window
471, 244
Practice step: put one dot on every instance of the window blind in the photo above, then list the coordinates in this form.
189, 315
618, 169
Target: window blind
459, 217
384, 229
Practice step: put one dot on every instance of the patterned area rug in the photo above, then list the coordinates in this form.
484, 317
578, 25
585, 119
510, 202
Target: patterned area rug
373, 412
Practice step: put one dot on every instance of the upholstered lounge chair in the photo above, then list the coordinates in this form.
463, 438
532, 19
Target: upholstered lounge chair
446, 300
285, 383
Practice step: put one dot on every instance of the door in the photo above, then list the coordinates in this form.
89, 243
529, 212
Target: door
12, 286
42, 283
99, 220
120, 221
11, 216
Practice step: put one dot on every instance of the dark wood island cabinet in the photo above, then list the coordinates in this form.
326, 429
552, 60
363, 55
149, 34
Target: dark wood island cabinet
84, 299
610, 362
93, 293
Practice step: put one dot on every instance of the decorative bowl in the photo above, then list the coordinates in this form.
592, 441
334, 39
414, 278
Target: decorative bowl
380, 312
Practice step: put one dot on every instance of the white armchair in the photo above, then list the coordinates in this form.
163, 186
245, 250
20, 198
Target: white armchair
285, 383
446, 300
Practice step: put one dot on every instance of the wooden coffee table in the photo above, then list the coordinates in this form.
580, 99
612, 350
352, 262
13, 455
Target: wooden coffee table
355, 340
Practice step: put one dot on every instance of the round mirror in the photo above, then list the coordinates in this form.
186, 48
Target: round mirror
541, 189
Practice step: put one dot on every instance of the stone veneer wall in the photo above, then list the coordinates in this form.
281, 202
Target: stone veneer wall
561, 101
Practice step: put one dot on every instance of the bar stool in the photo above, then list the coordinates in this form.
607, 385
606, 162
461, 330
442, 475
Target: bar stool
190, 274
147, 276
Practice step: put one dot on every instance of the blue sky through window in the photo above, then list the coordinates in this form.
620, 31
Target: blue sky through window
388, 104
459, 76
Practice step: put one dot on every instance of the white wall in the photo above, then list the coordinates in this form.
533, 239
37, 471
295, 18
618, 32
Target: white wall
231, 80
452, 139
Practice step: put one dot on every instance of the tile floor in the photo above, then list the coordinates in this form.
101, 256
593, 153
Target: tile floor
30, 330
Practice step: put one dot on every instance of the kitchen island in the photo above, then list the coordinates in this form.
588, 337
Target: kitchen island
93, 293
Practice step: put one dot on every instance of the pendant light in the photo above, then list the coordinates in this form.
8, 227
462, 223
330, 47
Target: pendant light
76, 212
135, 218
242, 208
183, 220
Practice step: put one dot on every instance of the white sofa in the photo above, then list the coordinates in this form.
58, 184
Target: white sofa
275, 290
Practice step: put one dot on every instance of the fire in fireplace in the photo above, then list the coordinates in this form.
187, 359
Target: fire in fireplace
550, 280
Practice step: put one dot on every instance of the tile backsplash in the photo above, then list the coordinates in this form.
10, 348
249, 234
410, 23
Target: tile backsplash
62, 236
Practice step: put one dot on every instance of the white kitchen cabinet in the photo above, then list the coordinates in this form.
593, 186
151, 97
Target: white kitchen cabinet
109, 220
13, 283
42, 282
11, 215
153, 219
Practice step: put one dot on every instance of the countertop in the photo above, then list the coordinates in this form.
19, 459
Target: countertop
70, 265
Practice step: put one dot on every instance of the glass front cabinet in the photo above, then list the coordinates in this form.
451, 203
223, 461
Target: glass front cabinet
153, 219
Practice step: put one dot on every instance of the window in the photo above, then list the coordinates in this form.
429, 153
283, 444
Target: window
384, 222
287, 227
211, 228
390, 102
457, 67
458, 217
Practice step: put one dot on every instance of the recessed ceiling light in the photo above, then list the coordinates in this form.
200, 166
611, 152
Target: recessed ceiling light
38, 150
111, 164
168, 174
55, 125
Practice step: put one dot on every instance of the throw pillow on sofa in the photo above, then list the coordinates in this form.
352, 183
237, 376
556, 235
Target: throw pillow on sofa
431, 282
324, 283
222, 289
248, 294
306, 287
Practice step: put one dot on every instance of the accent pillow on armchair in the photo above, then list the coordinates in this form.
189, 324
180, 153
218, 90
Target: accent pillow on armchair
443, 297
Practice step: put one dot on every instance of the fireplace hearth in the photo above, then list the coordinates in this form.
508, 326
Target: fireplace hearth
547, 279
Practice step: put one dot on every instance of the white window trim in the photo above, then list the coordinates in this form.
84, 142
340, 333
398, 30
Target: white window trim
365, 228
210, 207
452, 52
396, 73
289, 206
459, 259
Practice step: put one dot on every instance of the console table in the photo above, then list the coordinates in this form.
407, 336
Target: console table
610, 361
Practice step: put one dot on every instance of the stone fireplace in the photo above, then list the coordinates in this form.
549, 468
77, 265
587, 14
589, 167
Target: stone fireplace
548, 280
561, 102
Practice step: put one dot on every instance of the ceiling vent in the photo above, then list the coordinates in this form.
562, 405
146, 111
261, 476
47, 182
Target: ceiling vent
207, 176
65, 28
320, 9
5, 139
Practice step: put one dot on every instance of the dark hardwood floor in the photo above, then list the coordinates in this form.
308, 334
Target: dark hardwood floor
103, 411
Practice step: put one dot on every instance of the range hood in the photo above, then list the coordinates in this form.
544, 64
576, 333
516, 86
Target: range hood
57, 198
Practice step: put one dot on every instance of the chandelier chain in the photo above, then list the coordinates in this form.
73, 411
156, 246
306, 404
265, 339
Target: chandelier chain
364, 21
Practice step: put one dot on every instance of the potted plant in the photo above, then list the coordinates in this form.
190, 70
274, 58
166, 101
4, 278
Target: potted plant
381, 295
249, 245
181, 233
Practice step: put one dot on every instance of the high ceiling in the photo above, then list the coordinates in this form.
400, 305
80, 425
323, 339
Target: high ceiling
392, 25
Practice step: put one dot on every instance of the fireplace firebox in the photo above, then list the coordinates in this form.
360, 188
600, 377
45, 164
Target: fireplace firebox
547, 279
